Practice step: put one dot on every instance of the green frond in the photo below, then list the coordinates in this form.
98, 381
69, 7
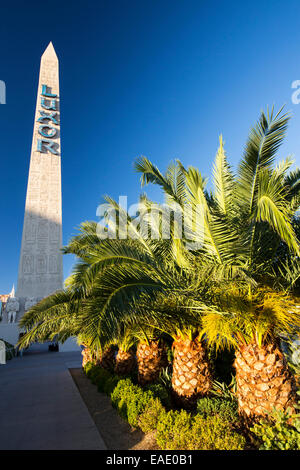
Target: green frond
171, 184
210, 230
218, 329
223, 180
273, 208
263, 143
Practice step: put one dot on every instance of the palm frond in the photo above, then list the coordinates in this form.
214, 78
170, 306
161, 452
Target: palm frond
273, 208
223, 180
263, 143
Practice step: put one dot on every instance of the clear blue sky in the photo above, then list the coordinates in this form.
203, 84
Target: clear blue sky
154, 77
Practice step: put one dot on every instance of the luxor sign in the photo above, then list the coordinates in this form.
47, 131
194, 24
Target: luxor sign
48, 120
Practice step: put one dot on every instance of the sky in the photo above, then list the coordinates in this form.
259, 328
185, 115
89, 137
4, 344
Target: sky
160, 78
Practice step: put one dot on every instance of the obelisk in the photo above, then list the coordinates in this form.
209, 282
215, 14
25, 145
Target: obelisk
40, 267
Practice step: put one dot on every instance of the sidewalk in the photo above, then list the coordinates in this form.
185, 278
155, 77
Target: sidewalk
40, 406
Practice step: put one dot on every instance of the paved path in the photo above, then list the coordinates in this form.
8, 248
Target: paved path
40, 406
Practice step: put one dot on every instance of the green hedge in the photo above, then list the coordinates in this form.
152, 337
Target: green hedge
105, 381
180, 430
159, 391
130, 400
153, 413
210, 428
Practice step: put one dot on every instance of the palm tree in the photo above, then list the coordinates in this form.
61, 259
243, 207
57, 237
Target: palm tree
125, 359
253, 327
244, 223
151, 354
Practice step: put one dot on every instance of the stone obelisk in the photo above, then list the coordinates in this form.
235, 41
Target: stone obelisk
40, 268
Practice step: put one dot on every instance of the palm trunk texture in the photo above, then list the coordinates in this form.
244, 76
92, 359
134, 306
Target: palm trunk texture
151, 358
108, 358
86, 356
125, 361
263, 380
192, 377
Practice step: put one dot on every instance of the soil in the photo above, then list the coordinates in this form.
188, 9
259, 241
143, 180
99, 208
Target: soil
116, 433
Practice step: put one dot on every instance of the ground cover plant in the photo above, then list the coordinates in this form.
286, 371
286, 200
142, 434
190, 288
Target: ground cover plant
280, 431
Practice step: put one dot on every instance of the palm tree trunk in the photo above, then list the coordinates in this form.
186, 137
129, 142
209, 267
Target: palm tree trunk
86, 356
108, 358
151, 358
263, 380
192, 375
125, 361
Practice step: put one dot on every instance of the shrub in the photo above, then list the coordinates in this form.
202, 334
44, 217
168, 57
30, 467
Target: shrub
159, 391
278, 432
173, 429
124, 387
105, 381
130, 400
92, 371
136, 405
180, 431
87, 368
97, 374
101, 377
150, 417
176, 430
226, 409
215, 433
111, 384
10, 351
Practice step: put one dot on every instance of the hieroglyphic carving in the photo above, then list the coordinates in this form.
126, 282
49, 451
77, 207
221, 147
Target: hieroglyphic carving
53, 264
27, 264
41, 264
42, 232
34, 180
43, 212
35, 160
30, 229
55, 161
54, 231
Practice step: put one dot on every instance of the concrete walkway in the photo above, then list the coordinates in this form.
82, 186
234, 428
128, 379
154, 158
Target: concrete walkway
40, 405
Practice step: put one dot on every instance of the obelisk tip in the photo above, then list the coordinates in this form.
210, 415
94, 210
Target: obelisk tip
49, 51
